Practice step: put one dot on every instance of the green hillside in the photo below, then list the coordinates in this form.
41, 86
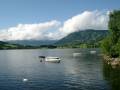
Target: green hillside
5, 45
85, 38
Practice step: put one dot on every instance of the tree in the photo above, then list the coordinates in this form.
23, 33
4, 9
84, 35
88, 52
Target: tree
114, 26
111, 44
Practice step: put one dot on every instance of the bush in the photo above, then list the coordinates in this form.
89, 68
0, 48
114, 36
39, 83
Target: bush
106, 46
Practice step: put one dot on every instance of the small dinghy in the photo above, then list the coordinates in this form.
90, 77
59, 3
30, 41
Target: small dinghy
77, 54
24, 79
49, 59
53, 59
93, 52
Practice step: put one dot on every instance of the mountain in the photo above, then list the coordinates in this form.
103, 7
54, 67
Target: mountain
33, 42
83, 37
1, 43
6, 45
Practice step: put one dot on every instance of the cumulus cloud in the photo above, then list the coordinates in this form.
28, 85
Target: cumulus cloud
40, 31
53, 30
86, 20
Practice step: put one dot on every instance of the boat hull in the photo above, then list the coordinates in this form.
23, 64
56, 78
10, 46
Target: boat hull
54, 60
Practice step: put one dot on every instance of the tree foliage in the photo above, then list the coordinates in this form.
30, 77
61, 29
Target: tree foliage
111, 44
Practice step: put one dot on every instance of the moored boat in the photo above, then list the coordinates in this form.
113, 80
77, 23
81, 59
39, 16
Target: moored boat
53, 59
92, 52
77, 54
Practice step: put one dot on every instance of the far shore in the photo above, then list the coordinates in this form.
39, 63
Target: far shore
44, 48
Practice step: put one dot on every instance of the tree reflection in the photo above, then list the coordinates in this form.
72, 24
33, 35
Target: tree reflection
112, 75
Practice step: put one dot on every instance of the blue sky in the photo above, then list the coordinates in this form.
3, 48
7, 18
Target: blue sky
15, 14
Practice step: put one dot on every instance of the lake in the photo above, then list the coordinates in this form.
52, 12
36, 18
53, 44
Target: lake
84, 72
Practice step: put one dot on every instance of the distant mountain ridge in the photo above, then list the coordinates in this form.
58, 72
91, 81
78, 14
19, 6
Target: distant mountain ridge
85, 36
33, 42
6, 45
1, 42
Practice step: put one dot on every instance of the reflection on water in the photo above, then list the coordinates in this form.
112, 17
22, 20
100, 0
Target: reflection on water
112, 75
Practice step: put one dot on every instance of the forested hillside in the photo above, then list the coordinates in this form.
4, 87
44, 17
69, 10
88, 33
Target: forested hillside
85, 38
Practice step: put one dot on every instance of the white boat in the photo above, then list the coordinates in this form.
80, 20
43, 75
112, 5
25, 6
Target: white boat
77, 54
25, 80
53, 59
92, 52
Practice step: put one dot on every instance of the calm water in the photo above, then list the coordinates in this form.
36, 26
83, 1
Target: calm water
86, 72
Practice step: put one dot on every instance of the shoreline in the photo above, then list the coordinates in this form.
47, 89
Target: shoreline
45, 48
114, 62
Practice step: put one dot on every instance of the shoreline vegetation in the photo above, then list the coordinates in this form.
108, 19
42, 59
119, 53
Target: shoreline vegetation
111, 44
7, 46
14, 46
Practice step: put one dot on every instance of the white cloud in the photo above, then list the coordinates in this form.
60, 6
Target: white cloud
86, 20
54, 30
38, 31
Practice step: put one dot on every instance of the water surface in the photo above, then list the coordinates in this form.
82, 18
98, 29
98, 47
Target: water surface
85, 72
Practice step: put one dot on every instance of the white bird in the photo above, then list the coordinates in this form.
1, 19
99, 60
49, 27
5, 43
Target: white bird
25, 80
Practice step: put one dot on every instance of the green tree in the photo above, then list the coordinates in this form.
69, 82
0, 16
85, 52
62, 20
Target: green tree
114, 26
111, 44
